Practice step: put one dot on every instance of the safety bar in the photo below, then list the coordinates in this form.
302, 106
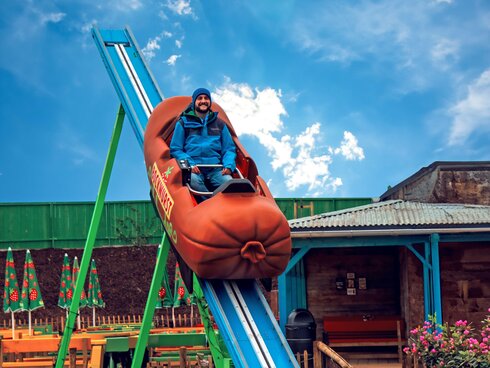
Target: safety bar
219, 165
208, 194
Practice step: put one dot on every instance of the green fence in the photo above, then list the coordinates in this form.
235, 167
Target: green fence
65, 225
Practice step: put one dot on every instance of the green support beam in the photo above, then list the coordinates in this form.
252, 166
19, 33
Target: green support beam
156, 281
89, 245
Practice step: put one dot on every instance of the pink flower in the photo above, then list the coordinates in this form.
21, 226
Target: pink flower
461, 323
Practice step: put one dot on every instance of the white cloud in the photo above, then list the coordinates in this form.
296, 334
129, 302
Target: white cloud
445, 52
181, 7
69, 143
472, 113
349, 148
258, 113
254, 111
127, 5
419, 41
51, 17
173, 59
87, 27
151, 46
178, 43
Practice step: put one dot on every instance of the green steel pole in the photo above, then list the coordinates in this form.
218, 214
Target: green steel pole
162, 257
89, 244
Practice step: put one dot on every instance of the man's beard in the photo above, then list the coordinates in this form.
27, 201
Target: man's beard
203, 108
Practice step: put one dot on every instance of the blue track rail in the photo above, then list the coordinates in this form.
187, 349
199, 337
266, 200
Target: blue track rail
137, 89
250, 331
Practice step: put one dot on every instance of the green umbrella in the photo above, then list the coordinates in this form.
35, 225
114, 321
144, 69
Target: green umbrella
165, 299
66, 293
83, 296
76, 271
181, 295
94, 293
11, 299
31, 298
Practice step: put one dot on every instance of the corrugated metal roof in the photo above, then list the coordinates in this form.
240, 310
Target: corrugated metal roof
397, 213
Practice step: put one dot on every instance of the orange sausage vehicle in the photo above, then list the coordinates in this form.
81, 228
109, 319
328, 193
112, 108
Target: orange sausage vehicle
239, 232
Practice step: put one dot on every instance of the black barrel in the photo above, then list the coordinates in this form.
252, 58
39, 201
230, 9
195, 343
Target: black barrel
301, 331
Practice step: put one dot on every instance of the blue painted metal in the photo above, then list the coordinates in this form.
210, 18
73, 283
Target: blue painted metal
282, 289
366, 241
237, 337
436, 277
467, 237
297, 257
427, 283
419, 256
292, 291
131, 77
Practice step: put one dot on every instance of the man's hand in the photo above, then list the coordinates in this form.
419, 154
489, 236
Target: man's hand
195, 170
226, 171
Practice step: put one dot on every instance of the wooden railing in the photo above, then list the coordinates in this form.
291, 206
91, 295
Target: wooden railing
324, 352
58, 323
321, 354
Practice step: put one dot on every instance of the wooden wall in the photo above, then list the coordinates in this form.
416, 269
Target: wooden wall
412, 287
465, 283
465, 274
380, 267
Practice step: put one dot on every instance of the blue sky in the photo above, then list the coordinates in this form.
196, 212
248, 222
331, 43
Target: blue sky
331, 98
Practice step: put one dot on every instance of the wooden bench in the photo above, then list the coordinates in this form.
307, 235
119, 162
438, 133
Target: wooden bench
365, 331
25, 349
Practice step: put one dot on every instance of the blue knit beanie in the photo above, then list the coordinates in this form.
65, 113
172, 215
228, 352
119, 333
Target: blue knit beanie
198, 92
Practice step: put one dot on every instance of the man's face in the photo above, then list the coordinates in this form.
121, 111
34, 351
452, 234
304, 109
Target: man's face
202, 104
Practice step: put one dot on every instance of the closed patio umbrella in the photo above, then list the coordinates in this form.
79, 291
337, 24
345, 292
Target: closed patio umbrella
11, 297
31, 298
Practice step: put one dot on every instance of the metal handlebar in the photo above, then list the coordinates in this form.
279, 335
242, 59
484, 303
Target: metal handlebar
219, 165
209, 166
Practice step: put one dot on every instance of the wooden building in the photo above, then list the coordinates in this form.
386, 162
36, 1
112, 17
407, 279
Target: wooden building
420, 251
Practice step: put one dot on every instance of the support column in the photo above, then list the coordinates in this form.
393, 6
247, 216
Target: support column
436, 277
285, 285
89, 244
151, 302
282, 288
428, 298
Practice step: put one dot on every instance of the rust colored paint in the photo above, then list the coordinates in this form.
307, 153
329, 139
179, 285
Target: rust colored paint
229, 236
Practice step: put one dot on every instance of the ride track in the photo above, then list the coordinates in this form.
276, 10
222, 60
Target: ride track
246, 324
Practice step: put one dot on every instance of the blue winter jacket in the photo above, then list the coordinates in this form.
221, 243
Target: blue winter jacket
203, 141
